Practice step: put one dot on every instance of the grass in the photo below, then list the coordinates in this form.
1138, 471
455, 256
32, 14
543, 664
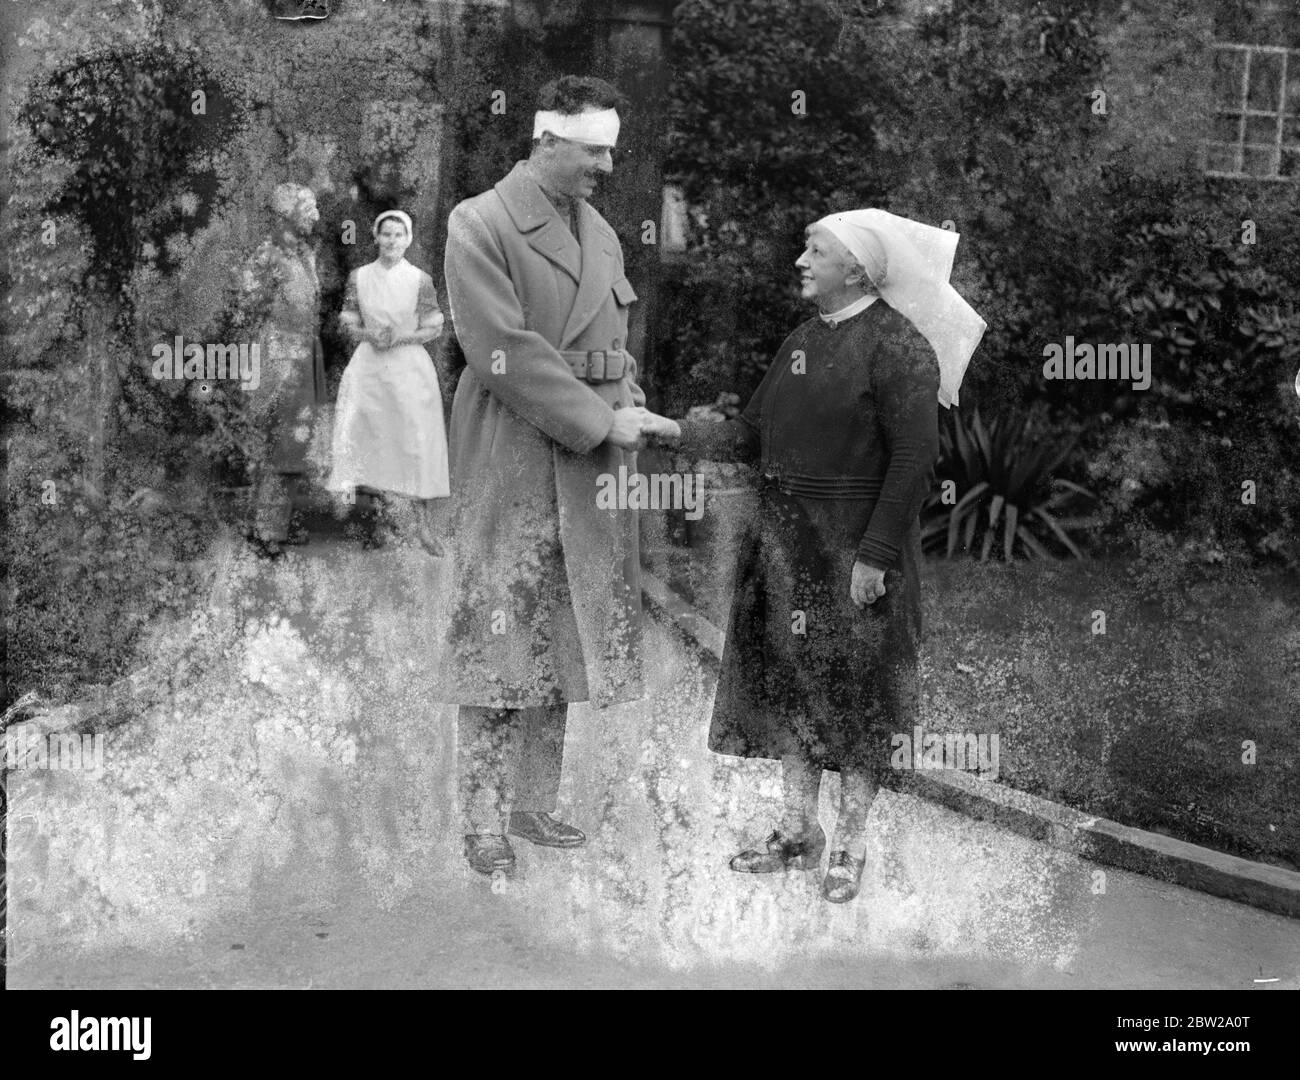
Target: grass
1144, 723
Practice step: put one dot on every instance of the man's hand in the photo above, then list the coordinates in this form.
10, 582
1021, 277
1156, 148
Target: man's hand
868, 584
626, 432
662, 429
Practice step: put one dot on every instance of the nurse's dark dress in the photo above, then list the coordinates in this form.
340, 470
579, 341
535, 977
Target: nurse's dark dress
844, 428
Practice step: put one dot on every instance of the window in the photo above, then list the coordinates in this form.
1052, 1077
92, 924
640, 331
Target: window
1256, 131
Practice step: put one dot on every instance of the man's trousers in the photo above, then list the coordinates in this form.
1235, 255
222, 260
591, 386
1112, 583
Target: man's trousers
508, 759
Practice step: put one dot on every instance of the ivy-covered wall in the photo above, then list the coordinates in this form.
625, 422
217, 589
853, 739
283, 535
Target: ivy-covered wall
144, 140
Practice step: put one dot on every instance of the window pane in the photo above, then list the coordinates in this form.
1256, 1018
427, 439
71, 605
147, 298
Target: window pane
1261, 161
1220, 157
1291, 163
1265, 80
1291, 130
1261, 129
1293, 83
1227, 78
1227, 129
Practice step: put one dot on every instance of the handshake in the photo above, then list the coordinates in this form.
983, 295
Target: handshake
634, 425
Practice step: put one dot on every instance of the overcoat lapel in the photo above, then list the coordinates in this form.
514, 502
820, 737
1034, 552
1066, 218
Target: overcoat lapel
598, 267
555, 241
533, 215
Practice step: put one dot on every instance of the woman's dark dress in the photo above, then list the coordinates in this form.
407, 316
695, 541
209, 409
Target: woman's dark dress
845, 430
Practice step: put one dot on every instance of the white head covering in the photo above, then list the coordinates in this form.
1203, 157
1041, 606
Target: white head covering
909, 263
596, 126
397, 215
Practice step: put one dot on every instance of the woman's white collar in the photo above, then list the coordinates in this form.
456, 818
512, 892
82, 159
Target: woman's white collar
834, 318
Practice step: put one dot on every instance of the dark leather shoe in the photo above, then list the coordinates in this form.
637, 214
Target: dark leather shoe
489, 852
783, 853
843, 877
539, 827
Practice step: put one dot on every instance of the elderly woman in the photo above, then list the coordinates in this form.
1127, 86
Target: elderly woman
388, 428
819, 668
279, 300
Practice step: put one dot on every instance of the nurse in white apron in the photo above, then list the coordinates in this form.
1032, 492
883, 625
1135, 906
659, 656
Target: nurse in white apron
389, 436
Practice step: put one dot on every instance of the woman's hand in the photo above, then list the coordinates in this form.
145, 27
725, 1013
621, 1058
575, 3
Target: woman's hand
868, 584
381, 338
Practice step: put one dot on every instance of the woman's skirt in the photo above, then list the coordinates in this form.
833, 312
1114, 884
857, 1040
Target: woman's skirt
804, 671
388, 428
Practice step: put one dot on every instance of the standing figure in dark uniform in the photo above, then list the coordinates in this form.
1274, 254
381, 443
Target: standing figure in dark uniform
280, 302
819, 667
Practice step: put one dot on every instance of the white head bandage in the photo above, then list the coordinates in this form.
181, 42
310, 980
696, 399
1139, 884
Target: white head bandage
909, 264
596, 126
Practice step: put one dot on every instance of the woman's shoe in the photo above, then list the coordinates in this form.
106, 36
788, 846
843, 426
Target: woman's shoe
783, 853
843, 877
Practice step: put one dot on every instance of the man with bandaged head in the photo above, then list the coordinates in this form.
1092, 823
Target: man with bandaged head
545, 607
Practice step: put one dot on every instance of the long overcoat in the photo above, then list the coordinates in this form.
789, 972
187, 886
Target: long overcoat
844, 427
280, 296
545, 604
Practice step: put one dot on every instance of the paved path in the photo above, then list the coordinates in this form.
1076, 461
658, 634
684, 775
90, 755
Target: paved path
286, 821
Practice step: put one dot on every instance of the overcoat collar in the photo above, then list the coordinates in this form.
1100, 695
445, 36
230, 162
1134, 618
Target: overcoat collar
535, 216
592, 265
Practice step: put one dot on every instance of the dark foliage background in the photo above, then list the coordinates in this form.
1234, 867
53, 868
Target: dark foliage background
985, 116
131, 213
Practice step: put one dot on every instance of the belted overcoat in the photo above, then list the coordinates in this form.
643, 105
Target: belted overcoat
545, 603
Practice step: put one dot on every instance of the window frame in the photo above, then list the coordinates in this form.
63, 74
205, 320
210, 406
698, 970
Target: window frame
1243, 112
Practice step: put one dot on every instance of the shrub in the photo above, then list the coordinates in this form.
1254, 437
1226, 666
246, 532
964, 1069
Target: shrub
89, 570
1003, 480
978, 115
973, 117
1224, 332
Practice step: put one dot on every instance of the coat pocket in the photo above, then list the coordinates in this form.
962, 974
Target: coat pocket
623, 292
